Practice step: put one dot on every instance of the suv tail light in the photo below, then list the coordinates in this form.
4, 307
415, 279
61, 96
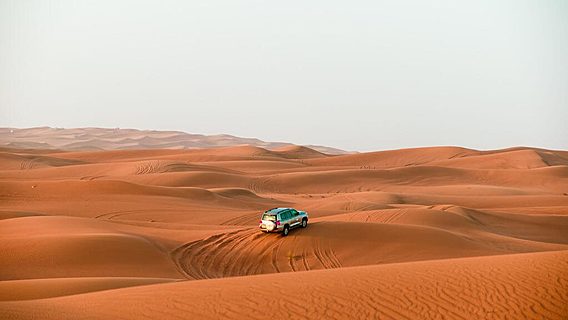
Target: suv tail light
260, 221
277, 223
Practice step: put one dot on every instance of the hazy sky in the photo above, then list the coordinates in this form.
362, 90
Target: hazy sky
359, 75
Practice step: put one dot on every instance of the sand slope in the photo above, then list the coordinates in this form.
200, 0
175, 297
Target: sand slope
524, 286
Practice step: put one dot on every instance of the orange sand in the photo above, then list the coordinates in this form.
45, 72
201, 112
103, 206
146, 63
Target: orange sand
424, 233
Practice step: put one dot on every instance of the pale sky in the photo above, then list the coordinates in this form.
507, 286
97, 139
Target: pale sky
358, 75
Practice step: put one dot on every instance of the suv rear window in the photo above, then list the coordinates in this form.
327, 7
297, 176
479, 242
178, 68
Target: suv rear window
268, 217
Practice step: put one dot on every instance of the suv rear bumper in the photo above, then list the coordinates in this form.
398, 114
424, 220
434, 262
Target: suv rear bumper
263, 229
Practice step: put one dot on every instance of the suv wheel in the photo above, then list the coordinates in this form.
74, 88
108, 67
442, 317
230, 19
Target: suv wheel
286, 230
304, 223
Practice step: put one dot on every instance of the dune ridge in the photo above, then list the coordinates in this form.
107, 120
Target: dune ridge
118, 138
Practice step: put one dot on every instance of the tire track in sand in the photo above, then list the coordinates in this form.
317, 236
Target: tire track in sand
248, 252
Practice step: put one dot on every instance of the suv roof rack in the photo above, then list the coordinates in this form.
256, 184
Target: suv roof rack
279, 210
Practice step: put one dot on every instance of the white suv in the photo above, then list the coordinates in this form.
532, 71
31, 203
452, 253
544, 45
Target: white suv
282, 220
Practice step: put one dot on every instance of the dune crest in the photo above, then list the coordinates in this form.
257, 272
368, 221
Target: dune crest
117, 138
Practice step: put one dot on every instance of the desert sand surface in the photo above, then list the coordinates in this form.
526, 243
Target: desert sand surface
424, 233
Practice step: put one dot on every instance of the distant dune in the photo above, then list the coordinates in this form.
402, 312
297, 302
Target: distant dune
162, 229
113, 139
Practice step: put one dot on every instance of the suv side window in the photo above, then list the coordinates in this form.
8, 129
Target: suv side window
294, 212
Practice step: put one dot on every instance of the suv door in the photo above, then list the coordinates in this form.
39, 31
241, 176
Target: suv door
286, 218
295, 218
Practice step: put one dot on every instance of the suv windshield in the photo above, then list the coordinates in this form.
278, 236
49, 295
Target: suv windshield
268, 217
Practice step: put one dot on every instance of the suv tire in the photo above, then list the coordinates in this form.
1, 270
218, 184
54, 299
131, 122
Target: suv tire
286, 230
304, 223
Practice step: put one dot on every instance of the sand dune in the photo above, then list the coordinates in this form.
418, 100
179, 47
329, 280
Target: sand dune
514, 158
533, 286
299, 152
116, 138
11, 290
441, 232
56, 247
333, 244
11, 161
